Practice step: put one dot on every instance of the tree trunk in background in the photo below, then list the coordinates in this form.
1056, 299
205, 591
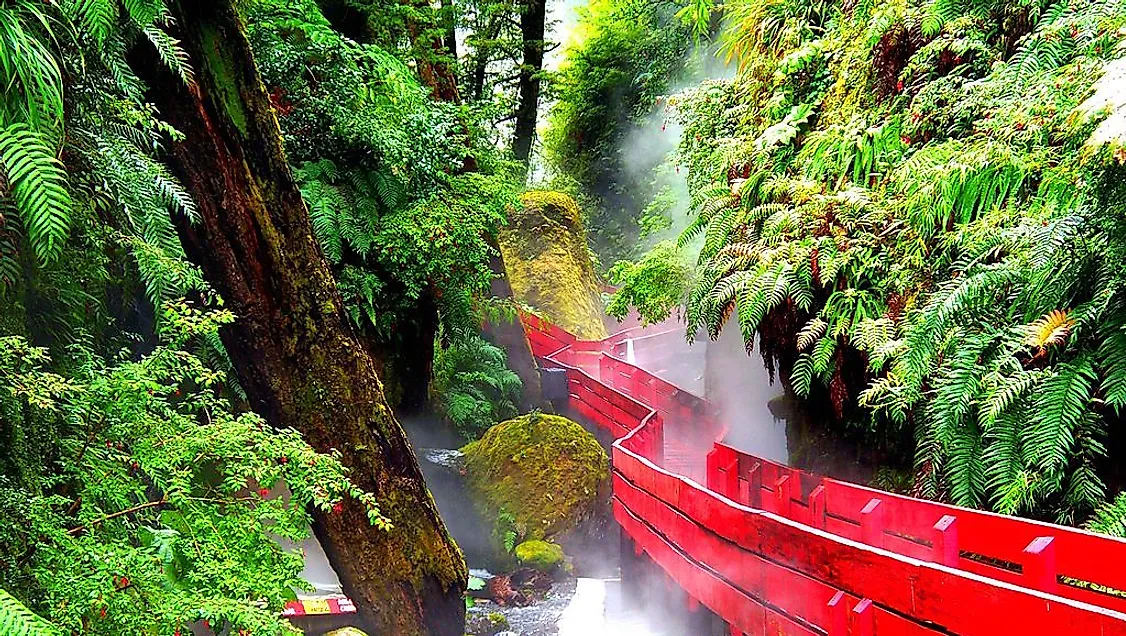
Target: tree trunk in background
436, 63
295, 355
481, 57
449, 19
532, 25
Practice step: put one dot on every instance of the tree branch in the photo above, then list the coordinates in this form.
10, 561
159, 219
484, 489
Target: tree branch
150, 504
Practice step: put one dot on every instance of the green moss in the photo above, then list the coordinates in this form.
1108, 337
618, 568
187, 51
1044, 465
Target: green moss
541, 555
222, 71
549, 265
545, 471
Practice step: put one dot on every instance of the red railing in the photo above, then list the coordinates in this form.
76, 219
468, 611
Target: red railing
774, 550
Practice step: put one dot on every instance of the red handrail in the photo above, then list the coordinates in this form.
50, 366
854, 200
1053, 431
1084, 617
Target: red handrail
775, 550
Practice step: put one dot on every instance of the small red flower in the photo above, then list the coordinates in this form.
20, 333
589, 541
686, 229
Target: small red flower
123, 582
899, 86
263, 491
906, 140
102, 612
337, 508
283, 460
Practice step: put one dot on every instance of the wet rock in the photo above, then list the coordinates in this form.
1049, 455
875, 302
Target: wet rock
486, 624
539, 476
549, 265
518, 588
540, 555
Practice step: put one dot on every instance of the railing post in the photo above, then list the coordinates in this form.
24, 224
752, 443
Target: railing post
782, 495
711, 469
657, 425
744, 486
817, 508
731, 478
754, 486
872, 523
864, 617
1039, 565
838, 615
944, 541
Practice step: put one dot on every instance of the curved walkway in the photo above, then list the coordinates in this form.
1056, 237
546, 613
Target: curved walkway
775, 550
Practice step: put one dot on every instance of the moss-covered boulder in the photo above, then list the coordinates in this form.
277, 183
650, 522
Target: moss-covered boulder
544, 556
549, 265
538, 475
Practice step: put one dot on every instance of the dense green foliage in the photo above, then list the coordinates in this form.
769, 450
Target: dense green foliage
138, 494
904, 201
624, 57
472, 386
404, 224
130, 483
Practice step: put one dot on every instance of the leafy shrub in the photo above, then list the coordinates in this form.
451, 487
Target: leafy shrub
473, 388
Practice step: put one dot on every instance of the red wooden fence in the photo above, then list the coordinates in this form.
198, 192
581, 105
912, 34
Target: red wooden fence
775, 550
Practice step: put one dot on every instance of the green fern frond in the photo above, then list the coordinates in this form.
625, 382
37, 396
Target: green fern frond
17, 620
171, 53
38, 184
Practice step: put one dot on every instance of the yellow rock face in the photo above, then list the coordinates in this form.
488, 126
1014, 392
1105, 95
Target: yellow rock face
549, 266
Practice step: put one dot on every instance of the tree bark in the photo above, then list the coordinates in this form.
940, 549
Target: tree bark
532, 29
482, 56
296, 357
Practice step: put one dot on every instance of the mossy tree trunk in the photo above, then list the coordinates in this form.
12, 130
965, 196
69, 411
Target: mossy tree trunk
295, 355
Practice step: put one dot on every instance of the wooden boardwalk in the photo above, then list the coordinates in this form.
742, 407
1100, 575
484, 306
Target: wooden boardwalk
774, 550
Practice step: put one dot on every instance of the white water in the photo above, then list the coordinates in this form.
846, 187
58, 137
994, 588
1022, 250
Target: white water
594, 612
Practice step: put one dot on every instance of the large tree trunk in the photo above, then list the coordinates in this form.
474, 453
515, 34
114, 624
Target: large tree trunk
294, 353
532, 28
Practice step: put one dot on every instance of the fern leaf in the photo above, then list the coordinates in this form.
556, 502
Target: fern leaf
171, 53
1053, 329
17, 620
38, 186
